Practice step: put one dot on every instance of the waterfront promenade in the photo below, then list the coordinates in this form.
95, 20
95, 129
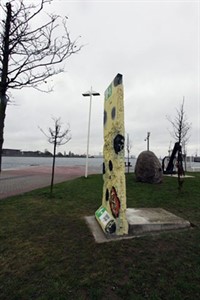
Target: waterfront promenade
19, 181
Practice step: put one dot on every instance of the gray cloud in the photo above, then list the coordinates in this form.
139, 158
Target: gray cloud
154, 44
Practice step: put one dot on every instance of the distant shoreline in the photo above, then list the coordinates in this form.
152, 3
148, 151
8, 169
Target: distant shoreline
77, 156
46, 153
60, 156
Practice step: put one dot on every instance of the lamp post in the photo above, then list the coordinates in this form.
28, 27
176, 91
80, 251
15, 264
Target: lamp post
89, 94
147, 140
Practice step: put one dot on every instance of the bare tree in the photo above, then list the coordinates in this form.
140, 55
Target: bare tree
30, 53
180, 133
56, 137
181, 126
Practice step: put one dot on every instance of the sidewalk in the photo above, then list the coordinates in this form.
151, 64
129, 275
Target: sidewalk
19, 181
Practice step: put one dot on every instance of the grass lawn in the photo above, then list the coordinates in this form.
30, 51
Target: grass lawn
48, 252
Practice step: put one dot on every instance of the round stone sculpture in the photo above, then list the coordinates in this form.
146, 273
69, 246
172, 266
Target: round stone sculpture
148, 168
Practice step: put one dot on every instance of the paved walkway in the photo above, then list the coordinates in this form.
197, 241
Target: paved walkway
19, 181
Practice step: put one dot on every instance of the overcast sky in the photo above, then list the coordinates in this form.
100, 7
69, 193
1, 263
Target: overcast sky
155, 46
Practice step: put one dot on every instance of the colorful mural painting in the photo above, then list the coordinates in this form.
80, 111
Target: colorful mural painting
112, 214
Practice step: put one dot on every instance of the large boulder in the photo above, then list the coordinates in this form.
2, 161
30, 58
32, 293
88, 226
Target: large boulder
148, 168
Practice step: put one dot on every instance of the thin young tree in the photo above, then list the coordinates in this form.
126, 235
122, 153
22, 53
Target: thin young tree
33, 47
57, 137
180, 133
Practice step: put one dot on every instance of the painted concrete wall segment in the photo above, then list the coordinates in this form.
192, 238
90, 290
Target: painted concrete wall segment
114, 187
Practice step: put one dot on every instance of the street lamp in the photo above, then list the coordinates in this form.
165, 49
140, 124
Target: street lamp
89, 94
147, 140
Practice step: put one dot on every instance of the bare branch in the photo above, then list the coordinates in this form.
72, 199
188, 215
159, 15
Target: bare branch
56, 135
36, 53
31, 51
180, 125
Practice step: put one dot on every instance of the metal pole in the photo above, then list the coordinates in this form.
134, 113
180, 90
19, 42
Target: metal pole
88, 137
87, 94
147, 140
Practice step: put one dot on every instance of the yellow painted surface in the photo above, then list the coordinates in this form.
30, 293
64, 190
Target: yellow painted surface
114, 187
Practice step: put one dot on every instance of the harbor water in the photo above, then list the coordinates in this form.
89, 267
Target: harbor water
13, 162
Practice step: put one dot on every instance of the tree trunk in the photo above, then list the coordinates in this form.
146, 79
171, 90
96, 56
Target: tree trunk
53, 165
2, 119
128, 162
3, 80
180, 168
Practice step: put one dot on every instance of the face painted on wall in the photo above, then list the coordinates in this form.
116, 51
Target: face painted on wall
118, 143
114, 203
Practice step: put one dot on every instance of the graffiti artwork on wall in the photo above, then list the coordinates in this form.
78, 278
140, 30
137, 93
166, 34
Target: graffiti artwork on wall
114, 187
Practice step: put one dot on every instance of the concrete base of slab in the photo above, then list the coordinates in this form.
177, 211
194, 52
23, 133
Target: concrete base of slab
142, 221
